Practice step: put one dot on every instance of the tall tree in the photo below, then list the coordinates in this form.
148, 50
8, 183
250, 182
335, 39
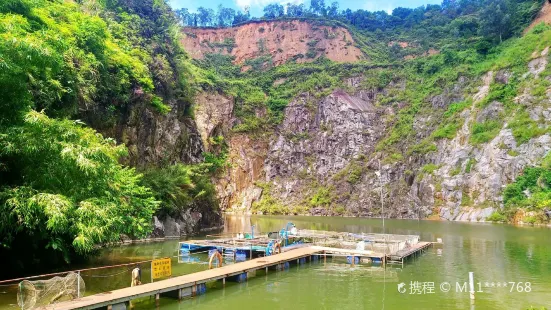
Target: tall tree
274, 10
205, 16
241, 17
183, 16
318, 7
295, 10
333, 10
225, 16
402, 13
495, 20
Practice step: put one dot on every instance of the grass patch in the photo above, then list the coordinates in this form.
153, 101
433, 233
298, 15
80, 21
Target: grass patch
484, 132
524, 128
470, 165
429, 168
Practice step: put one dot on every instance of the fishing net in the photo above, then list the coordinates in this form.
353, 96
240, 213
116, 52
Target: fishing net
40, 293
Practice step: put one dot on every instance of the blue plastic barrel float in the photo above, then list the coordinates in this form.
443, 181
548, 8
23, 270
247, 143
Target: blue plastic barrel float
240, 278
356, 260
201, 289
241, 255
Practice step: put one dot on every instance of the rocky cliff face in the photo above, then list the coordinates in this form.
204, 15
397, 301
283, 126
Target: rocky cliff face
153, 138
322, 159
280, 40
188, 222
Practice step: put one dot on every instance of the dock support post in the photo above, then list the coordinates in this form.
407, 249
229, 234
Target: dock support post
224, 281
78, 284
471, 284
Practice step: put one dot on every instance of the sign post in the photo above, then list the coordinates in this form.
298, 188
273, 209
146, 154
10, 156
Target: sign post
161, 268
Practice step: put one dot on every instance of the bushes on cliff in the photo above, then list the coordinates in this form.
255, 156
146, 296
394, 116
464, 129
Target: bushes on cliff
531, 189
179, 187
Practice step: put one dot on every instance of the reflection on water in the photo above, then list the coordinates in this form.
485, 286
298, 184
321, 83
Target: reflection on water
495, 253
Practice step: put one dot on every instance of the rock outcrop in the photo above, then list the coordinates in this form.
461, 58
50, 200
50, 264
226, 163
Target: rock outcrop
152, 137
328, 145
187, 223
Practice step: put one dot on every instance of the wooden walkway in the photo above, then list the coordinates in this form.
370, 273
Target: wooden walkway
182, 282
398, 256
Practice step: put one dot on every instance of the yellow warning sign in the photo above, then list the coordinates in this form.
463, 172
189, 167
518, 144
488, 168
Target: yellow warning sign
161, 268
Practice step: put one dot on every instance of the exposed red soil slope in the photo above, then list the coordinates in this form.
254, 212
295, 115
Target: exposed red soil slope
283, 40
543, 16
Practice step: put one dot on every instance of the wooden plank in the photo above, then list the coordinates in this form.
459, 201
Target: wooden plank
407, 252
149, 289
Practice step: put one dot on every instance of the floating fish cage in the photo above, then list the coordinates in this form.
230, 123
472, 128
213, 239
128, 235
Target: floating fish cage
378, 243
243, 246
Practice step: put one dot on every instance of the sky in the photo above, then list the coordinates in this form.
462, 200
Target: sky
257, 5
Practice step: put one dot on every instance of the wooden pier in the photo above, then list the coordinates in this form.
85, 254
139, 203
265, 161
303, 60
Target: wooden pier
398, 257
357, 248
181, 286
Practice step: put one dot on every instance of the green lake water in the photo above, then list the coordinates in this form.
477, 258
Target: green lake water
495, 253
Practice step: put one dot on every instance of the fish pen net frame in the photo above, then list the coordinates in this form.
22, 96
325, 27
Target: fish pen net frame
39, 293
378, 243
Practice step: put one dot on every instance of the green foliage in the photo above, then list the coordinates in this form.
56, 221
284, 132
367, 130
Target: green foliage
63, 190
455, 171
497, 217
268, 204
484, 132
216, 162
429, 168
58, 57
524, 128
424, 147
227, 43
470, 163
179, 187
66, 188
355, 174
457, 107
501, 92
393, 158
159, 105
466, 199
534, 180
321, 198
446, 131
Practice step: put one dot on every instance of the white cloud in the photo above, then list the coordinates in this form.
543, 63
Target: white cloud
262, 3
